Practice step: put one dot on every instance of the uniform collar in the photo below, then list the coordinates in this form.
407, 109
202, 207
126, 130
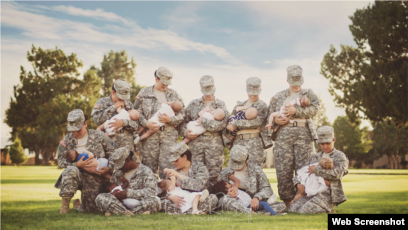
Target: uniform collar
334, 150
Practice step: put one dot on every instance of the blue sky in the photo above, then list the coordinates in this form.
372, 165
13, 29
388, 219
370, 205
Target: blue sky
231, 41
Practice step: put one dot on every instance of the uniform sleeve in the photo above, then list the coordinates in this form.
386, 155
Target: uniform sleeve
100, 114
310, 111
138, 102
177, 119
213, 125
108, 148
197, 183
271, 109
130, 125
337, 173
149, 189
62, 151
264, 187
187, 119
225, 174
255, 123
139, 106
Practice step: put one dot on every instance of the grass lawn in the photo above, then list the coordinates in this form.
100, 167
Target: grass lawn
29, 200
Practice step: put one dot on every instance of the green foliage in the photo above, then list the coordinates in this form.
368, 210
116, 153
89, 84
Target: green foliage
17, 152
370, 81
115, 65
321, 117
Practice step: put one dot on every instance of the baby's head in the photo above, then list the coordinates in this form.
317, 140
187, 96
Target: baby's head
221, 187
71, 155
251, 113
133, 114
176, 106
326, 163
305, 102
164, 185
218, 114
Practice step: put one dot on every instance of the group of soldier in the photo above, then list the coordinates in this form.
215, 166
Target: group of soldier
160, 155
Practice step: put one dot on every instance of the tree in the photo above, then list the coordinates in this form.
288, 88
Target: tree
38, 111
115, 65
17, 152
349, 139
321, 117
370, 81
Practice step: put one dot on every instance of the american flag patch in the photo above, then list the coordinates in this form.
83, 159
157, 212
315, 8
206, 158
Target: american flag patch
97, 106
273, 98
138, 97
63, 143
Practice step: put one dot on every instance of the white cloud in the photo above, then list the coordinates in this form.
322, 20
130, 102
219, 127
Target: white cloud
267, 62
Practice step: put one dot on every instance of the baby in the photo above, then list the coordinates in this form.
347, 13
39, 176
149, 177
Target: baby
313, 184
196, 128
168, 186
170, 108
128, 202
122, 115
96, 164
243, 113
222, 187
304, 102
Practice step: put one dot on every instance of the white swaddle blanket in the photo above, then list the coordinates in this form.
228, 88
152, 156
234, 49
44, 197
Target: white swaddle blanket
128, 202
122, 115
198, 129
188, 197
313, 184
164, 109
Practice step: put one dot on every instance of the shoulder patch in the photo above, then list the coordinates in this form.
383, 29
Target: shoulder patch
138, 97
63, 143
97, 106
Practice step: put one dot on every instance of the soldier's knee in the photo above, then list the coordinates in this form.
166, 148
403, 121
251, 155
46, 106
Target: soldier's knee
71, 171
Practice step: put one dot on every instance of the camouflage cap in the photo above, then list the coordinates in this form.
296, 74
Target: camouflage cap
76, 119
176, 151
119, 157
122, 89
295, 77
207, 85
238, 156
325, 134
253, 86
164, 75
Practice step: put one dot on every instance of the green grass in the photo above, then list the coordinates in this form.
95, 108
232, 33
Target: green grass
30, 201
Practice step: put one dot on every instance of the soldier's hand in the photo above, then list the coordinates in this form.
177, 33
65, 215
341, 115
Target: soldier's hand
191, 136
301, 188
82, 164
281, 120
179, 201
121, 195
255, 204
116, 124
164, 118
326, 182
199, 121
170, 172
312, 169
230, 127
120, 104
290, 111
232, 193
152, 126
103, 171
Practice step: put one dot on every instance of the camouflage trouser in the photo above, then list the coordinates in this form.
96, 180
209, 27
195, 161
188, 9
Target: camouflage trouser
72, 179
208, 205
209, 150
319, 203
256, 151
293, 147
155, 149
278, 206
228, 203
107, 202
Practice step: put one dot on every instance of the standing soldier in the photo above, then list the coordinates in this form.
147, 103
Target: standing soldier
72, 179
294, 141
207, 148
155, 149
253, 133
106, 107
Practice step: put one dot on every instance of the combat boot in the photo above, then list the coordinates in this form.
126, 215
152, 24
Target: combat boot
65, 205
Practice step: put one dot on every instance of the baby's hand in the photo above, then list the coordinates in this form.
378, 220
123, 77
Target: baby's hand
269, 127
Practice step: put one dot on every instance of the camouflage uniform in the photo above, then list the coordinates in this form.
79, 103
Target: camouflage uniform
324, 202
207, 149
258, 143
293, 145
72, 178
256, 181
142, 187
195, 180
155, 149
105, 109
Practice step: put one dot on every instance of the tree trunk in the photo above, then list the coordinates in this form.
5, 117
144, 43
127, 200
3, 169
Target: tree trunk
37, 160
46, 158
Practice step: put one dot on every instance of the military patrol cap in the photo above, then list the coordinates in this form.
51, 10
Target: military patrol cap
76, 119
176, 151
207, 85
119, 157
238, 156
325, 134
164, 75
295, 77
253, 85
122, 89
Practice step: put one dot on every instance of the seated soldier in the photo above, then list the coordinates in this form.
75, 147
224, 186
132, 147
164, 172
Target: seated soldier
142, 187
